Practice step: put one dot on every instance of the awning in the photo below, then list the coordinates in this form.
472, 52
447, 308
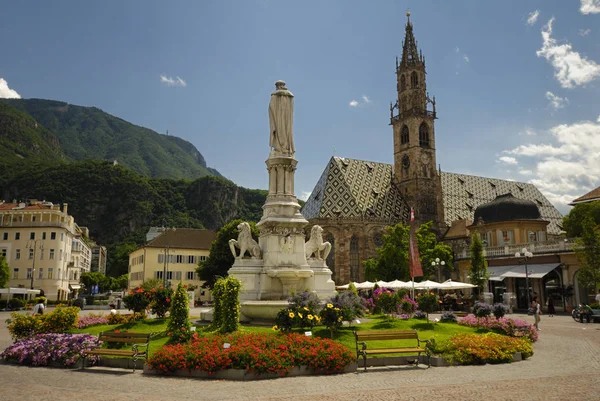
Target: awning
499, 273
74, 286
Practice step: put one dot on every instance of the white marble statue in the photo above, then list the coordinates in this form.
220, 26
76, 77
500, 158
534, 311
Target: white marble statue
281, 115
244, 243
315, 244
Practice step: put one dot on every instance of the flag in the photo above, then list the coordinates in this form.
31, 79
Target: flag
414, 260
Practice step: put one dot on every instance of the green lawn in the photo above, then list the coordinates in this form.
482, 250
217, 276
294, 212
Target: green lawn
439, 331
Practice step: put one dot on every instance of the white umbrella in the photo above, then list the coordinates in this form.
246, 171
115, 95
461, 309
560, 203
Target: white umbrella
383, 284
346, 286
427, 284
454, 285
399, 284
367, 285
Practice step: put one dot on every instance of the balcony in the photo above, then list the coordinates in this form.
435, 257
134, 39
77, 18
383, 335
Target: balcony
36, 224
537, 248
413, 112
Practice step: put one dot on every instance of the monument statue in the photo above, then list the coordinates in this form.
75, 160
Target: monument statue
244, 243
281, 115
315, 244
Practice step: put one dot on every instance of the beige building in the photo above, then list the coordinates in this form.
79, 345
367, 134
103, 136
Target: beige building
44, 248
99, 258
172, 256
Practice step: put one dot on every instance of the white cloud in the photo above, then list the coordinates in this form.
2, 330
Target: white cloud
590, 6
532, 17
366, 99
528, 132
6, 92
169, 81
353, 103
584, 32
304, 195
508, 160
466, 58
556, 102
525, 172
570, 68
598, 120
568, 167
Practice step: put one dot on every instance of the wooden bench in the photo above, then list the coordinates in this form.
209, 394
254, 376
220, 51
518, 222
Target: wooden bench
363, 349
459, 313
139, 340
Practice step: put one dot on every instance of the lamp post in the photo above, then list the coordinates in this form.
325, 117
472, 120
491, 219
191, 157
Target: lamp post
32, 244
440, 265
525, 254
165, 233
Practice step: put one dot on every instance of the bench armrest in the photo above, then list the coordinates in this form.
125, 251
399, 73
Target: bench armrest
427, 342
363, 345
135, 347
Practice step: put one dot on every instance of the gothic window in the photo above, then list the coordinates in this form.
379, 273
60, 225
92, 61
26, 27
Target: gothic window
402, 82
331, 257
378, 240
354, 273
425, 171
404, 135
414, 80
424, 135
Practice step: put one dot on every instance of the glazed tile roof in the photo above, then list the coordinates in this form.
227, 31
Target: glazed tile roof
355, 188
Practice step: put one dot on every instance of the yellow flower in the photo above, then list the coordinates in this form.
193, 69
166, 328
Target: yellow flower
300, 315
305, 308
310, 317
318, 318
329, 305
291, 314
339, 319
337, 308
275, 327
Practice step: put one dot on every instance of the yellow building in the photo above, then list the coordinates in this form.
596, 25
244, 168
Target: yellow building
172, 256
37, 239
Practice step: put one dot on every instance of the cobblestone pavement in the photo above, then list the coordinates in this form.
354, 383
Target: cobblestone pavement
565, 366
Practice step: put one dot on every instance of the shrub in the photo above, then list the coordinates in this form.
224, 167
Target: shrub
257, 352
506, 326
126, 318
160, 300
16, 303
92, 320
427, 302
499, 310
38, 299
3, 303
448, 317
289, 318
58, 321
386, 300
305, 299
352, 288
136, 300
229, 300
42, 349
481, 309
368, 305
350, 304
407, 305
331, 317
466, 349
178, 326
419, 314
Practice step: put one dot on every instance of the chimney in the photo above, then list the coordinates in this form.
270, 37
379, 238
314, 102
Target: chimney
65, 208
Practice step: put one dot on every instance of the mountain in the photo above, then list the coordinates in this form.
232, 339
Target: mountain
75, 133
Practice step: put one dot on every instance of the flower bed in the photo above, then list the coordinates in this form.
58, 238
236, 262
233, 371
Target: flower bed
257, 353
92, 320
507, 326
43, 349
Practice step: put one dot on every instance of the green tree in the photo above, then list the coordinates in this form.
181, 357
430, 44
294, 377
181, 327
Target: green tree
573, 222
90, 279
220, 258
588, 254
178, 326
430, 249
4, 272
478, 270
120, 282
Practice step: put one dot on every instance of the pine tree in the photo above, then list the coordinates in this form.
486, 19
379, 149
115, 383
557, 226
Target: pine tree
588, 254
478, 271
178, 326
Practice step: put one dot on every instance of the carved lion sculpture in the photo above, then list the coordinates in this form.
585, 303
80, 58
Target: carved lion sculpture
244, 243
315, 244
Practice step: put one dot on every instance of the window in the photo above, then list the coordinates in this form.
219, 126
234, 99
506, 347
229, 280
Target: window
20, 218
505, 238
3, 252
41, 253
532, 235
17, 236
30, 254
202, 258
354, 265
191, 260
17, 254
60, 254
15, 273
53, 235
5, 236
158, 275
62, 236
75, 276
169, 275
414, 79
50, 272
424, 135
51, 254
402, 82
60, 274
178, 275
31, 235
33, 218
404, 135
179, 259
40, 273
44, 235
161, 258
29, 272
191, 275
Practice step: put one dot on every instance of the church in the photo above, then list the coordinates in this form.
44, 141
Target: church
355, 200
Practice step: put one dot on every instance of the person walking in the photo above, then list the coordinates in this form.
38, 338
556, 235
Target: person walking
537, 311
550, 304
39, 308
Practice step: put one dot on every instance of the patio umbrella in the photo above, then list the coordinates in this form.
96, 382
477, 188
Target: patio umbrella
454, 285
399, 284
367, 285
383, 284
427, 284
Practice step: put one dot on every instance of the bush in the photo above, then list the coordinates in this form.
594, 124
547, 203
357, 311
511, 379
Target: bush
331, 317
227, 297
136, 300
38, 299
42, 349
289, 318
90, 300
503, 325
178, 326
419, 314
499, 310
92, 320
16, 303
305, 299
407, 305
59, 321
466, 349
128, 318
386, 300
350, 304
448, 317
481, 309
257, 352
427, 302
160, 300
3, 303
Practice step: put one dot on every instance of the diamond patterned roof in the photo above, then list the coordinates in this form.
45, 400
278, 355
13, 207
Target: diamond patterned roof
350, 188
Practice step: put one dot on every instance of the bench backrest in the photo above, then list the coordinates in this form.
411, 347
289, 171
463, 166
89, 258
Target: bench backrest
386, 335
112, 337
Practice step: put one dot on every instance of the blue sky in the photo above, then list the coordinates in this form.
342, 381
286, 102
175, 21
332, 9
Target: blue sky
516, 82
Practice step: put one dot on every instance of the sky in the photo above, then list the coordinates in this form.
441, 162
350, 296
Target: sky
517, 82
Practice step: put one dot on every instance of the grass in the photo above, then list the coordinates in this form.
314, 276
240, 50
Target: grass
345, 335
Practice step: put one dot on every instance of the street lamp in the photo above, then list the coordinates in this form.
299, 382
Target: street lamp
440, 265
525, 254
32, 244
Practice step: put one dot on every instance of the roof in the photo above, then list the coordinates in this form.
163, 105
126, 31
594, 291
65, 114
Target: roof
507, 208
350, 188
184, 238
591, 196
24, 206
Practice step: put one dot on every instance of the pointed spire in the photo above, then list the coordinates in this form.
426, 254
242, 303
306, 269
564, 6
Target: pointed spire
410, 53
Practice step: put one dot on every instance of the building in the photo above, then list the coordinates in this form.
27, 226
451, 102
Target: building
355, 200
99, 258
592, 196
44, 247
172, 256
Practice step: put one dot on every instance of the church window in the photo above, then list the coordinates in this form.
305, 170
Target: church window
404, 135
425, 171
414, 80
354, 264
402, 82
424, 135
378, 240
331, 257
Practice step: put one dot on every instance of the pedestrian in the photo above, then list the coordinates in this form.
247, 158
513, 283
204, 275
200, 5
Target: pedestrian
550, 304
38, 309
113, 311
537, 311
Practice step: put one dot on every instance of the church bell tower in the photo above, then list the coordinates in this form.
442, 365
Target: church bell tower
412, 118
